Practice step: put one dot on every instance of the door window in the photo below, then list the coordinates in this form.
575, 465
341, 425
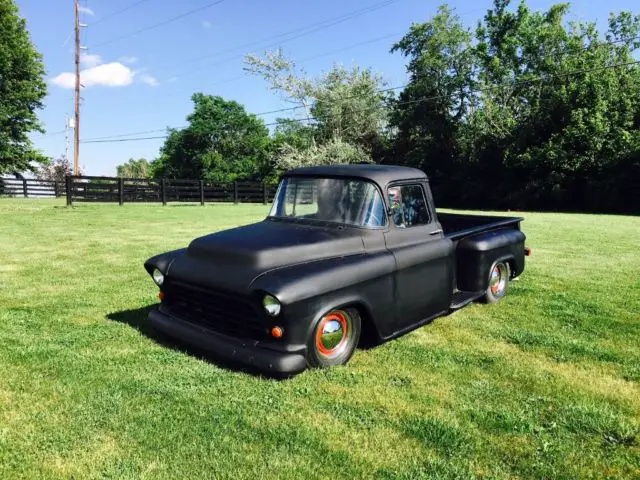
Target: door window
408, 206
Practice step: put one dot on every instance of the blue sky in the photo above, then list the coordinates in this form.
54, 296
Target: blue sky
143, 82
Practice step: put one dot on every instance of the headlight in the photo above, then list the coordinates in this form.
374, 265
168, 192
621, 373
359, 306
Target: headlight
271, 305
158, 277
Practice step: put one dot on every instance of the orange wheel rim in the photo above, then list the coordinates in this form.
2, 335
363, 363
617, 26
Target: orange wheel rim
497, 279
341, 319
494, 288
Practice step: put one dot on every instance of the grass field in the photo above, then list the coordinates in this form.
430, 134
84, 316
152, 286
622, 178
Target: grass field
542, 385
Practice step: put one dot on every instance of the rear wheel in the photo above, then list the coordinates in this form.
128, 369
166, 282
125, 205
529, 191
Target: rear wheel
335, 338
498, 282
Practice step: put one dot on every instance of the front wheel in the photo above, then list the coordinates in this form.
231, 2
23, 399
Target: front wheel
335, 338
498, 282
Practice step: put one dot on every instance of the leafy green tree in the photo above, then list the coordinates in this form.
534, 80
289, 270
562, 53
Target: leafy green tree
291, 132
342, 106
22, 90
536, 113
567, 106
429, 112
222, 143
333, 152
133, 168
350, 105
284, 77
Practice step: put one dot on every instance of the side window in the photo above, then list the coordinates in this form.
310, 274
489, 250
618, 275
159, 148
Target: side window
408, 206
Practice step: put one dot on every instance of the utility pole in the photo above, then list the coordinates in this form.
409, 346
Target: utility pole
76, 129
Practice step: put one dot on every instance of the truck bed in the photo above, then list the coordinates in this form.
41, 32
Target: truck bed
457, 226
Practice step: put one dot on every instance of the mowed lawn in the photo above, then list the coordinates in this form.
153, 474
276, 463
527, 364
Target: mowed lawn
544, 384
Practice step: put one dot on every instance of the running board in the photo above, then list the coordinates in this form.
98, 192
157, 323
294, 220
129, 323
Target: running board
460, 299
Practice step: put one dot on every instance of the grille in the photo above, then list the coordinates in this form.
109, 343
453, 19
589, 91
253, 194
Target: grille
222, 312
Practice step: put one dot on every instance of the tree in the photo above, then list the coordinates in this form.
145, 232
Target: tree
55, 170
222, 143
293, 133
333, 152
567, 108
429, 112
133, 168
283, 77
536, 113
343, 106
351, 105
22, 90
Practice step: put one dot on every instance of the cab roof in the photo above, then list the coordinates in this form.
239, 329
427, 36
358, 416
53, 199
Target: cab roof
380, 174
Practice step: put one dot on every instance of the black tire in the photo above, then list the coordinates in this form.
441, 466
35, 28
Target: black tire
498, 282
327, 347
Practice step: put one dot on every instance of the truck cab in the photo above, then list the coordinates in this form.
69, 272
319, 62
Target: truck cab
346, 252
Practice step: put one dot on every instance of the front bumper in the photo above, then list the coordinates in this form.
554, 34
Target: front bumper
227, 348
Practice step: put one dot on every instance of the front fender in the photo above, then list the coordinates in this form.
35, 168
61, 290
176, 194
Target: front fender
163, 261
308, 291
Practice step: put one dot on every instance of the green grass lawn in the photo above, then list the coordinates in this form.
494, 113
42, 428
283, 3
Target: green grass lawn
544, 384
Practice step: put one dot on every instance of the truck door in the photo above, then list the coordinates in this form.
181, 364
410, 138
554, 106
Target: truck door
423, 256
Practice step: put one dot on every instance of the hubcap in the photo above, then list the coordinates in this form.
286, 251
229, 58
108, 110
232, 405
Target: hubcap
332, 333
498, 279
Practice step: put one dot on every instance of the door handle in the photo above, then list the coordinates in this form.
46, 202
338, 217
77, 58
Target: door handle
436, 232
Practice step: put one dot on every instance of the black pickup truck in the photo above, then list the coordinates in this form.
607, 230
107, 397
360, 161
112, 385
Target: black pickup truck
347, 252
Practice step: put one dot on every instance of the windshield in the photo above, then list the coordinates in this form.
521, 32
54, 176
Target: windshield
352, 202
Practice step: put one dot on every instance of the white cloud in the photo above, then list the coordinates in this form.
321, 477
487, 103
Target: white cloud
90, 60
86, 10
112, 74
173, 80
128, 60
206, 24
149, 80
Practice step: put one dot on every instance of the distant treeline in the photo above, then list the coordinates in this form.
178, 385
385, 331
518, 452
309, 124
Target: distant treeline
526, 111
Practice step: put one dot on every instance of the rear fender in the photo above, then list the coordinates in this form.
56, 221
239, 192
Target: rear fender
476, 255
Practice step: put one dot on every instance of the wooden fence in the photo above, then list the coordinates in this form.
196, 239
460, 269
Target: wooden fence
31, 187
127, 190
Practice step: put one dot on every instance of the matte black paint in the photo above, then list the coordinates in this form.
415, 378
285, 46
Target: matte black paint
398, 278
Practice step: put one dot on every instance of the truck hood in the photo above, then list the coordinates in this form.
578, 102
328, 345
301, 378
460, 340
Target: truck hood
232, 259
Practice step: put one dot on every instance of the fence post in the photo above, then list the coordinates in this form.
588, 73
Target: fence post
264, 193
163, 191
202, 192
55, 188
121, 190
235, 192
69, 184
24, 187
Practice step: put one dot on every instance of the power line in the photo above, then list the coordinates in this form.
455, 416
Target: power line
349, 47
52, 134
161, 24
116, 13
326, 54
418, 100
297, 33
117, 140
280, 110
366, 42
151, 138
131, 134
304, 60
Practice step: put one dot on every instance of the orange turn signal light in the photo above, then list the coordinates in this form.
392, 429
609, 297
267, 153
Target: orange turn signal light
161, 295
277, 332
